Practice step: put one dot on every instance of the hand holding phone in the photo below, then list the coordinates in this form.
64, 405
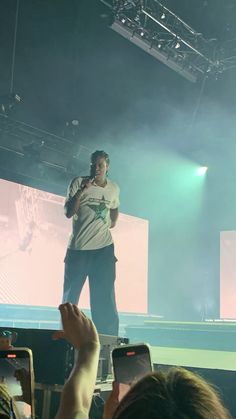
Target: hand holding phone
130, 363
16, 372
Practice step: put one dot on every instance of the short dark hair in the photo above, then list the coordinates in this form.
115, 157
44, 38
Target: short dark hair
177, 393
99, 153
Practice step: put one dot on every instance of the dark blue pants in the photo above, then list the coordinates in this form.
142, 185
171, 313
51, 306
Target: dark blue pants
100, 268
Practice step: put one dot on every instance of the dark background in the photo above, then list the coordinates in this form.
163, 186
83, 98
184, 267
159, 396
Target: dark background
154, 124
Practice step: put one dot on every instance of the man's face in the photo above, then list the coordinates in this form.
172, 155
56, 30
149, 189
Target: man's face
101, 168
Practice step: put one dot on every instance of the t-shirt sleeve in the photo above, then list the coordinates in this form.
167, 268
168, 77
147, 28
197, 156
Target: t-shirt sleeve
116, 200
73, 188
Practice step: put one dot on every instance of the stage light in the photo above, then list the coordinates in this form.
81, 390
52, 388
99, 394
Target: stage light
8, 102
75, 122
201, 171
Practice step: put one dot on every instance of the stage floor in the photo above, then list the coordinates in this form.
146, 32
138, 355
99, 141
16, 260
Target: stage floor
206, 335
198, 358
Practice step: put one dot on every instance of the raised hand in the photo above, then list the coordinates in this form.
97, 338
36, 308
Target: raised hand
78, 329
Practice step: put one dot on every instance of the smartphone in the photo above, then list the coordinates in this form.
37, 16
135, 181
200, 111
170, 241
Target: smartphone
17, 381
130, 363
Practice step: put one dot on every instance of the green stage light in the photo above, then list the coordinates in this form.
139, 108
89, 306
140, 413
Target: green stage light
201, 171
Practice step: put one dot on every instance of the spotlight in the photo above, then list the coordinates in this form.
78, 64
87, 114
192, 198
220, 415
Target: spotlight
177, 45
141, 33
163, 16
75, 122
201, 171
8, 102
71, 128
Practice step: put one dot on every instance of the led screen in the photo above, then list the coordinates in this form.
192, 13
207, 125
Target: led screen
34, 234
228, 274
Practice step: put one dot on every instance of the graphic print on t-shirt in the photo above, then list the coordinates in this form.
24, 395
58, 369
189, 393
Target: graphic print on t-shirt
101, 209
91, 224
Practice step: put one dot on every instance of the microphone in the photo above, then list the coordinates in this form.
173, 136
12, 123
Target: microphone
84, 182
92, 172
87, 179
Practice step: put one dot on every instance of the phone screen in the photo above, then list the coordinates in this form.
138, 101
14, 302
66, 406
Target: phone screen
16, 383
129, 365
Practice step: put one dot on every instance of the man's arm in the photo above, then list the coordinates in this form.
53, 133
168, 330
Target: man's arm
72, 204
77, 392
114, 216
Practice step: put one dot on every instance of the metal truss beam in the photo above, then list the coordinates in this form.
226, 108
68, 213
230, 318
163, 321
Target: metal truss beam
161, 33
40, 146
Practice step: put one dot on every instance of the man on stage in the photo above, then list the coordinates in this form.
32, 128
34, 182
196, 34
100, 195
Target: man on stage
93, 203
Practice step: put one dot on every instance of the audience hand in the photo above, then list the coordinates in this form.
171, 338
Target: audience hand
77, 392
112, 401
78, 329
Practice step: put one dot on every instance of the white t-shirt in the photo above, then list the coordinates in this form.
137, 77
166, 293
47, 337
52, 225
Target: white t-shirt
91, 224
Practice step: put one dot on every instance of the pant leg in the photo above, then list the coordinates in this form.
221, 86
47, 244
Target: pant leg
75, 274
102, 272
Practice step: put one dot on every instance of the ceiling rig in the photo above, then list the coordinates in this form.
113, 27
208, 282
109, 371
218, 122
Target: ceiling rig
161, 33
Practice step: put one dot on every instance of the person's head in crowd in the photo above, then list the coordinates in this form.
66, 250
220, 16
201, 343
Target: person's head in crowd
174, 394
6, 339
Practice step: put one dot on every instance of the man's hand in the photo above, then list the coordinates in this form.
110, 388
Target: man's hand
114, 216
86, 183
78, 329
72, 203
